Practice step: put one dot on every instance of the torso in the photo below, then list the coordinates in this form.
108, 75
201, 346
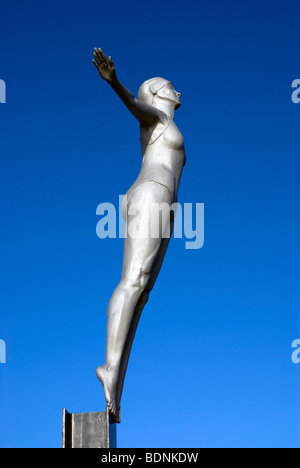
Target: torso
163, 156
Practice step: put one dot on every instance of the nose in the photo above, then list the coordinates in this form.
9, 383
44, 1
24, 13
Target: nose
179, 95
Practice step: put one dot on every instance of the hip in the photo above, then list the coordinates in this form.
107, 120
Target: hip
147, 192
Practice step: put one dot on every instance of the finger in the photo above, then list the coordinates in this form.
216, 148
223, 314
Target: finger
103, 56
111, 62
99, 61
96, 65
98, 57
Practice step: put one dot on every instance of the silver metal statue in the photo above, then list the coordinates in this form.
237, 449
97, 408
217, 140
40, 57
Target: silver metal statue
163, 160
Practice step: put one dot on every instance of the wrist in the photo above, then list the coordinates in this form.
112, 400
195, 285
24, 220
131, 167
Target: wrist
112, 81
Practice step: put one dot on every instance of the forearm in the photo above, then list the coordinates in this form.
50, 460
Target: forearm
126, 96
146, 115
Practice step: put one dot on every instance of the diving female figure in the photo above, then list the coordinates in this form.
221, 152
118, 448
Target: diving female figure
163, 160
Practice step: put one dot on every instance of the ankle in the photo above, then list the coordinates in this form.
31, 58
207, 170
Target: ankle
111, 367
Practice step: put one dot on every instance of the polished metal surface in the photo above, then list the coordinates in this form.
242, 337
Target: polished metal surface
88, 430
163, 159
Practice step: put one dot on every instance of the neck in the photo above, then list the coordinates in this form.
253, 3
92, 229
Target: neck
168, 107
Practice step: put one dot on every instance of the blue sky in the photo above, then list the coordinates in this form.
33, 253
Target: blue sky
211, 364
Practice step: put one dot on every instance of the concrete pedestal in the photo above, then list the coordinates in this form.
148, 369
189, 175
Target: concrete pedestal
88, 430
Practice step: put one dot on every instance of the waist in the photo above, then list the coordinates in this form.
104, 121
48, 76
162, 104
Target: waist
161, 176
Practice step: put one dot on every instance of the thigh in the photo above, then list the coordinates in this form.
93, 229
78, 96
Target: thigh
141, 249
158, 261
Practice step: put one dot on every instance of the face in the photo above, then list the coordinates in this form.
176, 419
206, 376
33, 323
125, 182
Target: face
168, 92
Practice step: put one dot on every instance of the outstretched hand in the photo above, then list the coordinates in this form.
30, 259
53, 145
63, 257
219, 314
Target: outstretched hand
105, 67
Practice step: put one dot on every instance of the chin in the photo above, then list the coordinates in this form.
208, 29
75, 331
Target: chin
178, 105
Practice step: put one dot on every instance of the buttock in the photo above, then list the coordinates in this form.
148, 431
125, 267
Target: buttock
146, 193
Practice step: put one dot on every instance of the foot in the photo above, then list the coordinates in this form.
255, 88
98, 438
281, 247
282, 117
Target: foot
108, 377
116, 415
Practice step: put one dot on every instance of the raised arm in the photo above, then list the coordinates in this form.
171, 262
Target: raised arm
146, 115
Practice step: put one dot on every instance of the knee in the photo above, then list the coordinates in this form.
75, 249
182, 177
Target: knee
138, 281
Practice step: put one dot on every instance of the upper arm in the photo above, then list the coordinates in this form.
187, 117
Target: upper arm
145, 114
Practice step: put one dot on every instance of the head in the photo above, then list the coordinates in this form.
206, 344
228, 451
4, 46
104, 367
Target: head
159, 88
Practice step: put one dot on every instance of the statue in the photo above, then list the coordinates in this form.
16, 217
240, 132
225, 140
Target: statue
163, 160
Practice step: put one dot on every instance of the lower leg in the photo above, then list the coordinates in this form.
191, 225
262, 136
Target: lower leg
129, 342
120, 316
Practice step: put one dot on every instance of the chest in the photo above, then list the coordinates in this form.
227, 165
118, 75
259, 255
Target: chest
168, 134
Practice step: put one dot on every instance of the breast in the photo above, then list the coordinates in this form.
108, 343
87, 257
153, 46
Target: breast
166, 154
173, 138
